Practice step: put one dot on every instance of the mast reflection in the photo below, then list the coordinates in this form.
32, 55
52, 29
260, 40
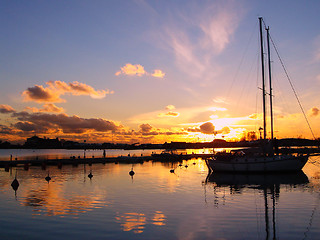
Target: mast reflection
270, 184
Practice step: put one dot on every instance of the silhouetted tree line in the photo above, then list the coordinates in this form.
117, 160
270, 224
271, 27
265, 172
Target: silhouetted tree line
36, 142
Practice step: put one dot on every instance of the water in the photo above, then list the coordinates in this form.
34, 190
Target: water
157, 204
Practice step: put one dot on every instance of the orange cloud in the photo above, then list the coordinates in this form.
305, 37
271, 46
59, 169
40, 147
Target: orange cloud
55, 89
50, 107
313, 112
207, 128
169, 114
138, 70
61, 122
170, 107
145, 127
158, 73
41, 94
6, 109
130, 69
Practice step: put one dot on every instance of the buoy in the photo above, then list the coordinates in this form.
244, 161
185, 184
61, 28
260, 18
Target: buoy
15, 184
48, 178
172, 170
186, 166
90, 175
131, 173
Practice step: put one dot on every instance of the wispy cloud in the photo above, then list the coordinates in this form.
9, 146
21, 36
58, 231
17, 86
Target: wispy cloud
205, 32
55, 89
138, 70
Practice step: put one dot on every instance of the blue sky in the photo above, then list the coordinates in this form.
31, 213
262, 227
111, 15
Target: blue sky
198, 62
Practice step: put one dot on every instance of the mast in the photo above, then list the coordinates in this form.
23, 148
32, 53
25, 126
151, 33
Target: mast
270, 85
263, 84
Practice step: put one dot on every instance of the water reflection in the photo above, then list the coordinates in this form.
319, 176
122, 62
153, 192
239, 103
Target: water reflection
136, 222
159, 204
53, 201
267, 184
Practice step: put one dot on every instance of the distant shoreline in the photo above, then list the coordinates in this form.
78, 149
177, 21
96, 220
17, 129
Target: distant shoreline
44, 143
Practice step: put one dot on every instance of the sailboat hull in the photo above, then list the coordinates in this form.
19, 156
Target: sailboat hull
281, 163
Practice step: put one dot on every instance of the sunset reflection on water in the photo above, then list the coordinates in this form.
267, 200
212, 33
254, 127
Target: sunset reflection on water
154, 202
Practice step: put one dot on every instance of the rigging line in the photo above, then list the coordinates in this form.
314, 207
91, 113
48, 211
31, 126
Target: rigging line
292, 87
242, 60
291, 84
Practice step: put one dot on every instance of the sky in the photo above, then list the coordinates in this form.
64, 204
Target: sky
140, 71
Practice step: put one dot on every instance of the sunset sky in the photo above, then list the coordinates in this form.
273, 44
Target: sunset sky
154, 71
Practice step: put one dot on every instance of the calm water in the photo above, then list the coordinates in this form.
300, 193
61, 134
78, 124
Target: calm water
157, 204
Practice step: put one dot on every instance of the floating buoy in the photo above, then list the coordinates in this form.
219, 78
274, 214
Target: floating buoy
15, 184
90, 175
48, 178
186, 166
131, 173
172, 170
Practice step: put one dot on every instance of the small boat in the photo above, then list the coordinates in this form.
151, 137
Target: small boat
266, 158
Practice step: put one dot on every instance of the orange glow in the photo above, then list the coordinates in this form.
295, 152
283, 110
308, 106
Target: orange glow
132, 222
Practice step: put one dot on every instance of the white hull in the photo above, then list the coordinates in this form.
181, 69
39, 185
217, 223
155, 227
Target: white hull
281, 163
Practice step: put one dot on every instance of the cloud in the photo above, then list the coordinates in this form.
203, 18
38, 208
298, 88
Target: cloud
41, 94
132, 70
158, 73
169, 114
138, 70
63, 123
313, 112
198, 34
55, 89
218, 28
5, 129
207, 128
6, 109
145, 128
49, 107
30, 127
170, 107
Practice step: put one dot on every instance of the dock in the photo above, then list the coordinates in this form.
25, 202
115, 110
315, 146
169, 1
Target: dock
120, 159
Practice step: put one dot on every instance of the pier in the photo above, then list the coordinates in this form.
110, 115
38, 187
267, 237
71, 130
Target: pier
119, 159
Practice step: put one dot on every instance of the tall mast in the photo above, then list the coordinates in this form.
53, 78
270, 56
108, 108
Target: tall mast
263, 84
270, 85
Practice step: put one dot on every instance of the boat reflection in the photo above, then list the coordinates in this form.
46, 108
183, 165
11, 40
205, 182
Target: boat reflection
240, 179
269, 184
